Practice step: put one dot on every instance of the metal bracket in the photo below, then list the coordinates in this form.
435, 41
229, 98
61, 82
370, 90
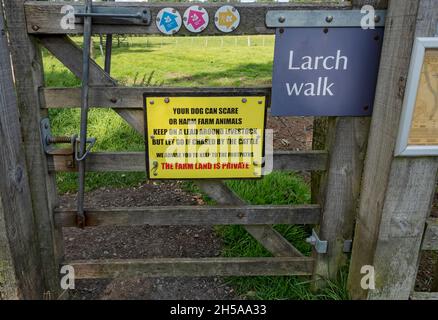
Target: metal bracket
321, 246
48, 141
71, 155
115, 15
320, 18
348, 246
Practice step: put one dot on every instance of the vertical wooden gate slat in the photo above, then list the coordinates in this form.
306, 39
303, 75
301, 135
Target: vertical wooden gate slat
396, 192
340, 190
28, 69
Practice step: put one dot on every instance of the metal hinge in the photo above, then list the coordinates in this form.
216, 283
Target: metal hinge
321, 246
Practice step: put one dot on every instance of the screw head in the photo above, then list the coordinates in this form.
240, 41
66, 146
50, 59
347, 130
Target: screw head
244, 100
35, 28
377, 19
166, 100
329, 19
281, 19
152, 102
153, 137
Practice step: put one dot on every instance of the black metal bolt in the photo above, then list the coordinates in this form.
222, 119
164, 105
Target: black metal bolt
35, 28
329, 19
281, 19
377, 19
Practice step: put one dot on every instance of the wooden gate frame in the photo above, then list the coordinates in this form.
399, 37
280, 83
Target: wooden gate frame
31, 24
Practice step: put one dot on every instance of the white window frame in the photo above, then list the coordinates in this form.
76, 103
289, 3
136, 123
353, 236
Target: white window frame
402, 148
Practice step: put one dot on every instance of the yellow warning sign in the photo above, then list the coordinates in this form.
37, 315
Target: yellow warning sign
205, 137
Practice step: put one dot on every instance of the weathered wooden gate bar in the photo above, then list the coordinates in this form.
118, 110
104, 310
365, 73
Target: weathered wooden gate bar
132, 97
188, 267
430, 238
193, 215
44, 17
135, 161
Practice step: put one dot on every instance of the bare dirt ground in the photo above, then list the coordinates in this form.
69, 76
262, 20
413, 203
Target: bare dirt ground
147, 242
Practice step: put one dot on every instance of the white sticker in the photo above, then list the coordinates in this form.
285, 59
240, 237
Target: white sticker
196, 19
227, 19
168, 21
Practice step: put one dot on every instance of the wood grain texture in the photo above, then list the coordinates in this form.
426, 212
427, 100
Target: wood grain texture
132, 97
407, 205
396, 192
273, 241
424, 296
340, 190
135, 161
430, 239
187, 267
28, 70
44, 17
20, 261
191, 215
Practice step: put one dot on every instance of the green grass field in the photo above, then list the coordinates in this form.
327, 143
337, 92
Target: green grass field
193, 61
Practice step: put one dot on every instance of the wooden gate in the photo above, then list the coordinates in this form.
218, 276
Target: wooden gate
337, 162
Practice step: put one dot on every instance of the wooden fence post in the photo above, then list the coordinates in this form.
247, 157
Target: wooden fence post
396, 194
29, 77
20, 262
338, 189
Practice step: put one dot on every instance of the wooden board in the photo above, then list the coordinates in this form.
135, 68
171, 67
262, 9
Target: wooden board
430, 239
396, 52
340, 190
132, 97
20, 261
135, 161
29, 76
44, 17
188, 267
190, 215
424, 296
424, 128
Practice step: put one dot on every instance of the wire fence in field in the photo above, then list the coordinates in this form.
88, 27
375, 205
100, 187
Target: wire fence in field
210, 42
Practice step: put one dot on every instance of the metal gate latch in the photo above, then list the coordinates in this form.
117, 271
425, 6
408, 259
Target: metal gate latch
321, 246
70, 154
